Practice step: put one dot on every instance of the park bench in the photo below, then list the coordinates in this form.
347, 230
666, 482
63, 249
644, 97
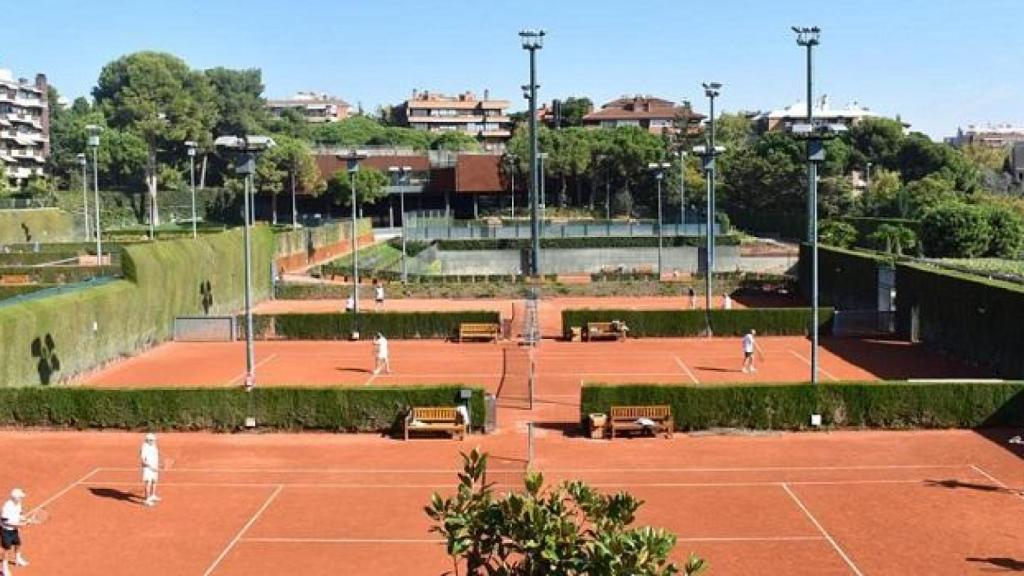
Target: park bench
435, 419
15, 279
624, 418
478, 331
644, 269
599, 330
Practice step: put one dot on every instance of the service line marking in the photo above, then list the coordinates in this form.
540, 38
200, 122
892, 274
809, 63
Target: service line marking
84, 479
241, 376
821, 529
997, 481
252, 520
808, 362
686, 369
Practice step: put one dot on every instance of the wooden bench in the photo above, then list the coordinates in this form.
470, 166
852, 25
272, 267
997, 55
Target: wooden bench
644, 269
15, 279
482, 331
599, 330
625, 418
435, 419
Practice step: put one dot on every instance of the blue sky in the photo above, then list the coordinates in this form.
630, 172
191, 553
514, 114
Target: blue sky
937, 63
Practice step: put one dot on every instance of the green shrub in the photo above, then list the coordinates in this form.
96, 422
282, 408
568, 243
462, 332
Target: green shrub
225, 409
956, 230
969, 316
683, 323
49, 340
36, 225
399, 325
1007, 233
837, 233
789, 406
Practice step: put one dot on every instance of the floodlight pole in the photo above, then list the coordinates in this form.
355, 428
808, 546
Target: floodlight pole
533, 40
659, 175
682, 192
94, 143
192, 177
407, 174
512, 187
712, 91
355, 240
85, 194
250, 353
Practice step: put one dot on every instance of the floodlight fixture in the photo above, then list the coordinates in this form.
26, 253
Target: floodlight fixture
532, 39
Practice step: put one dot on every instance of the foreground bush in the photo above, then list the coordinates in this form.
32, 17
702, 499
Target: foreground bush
570, 529
789, 406
225, 409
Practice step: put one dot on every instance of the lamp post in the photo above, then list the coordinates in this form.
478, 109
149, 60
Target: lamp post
659, 174
94, 143
712, 90
404, 173
682, 192
815, 135
191, 147
867, 178
533, 40
85, 193
247, 148
809, 38
352, 163
511, 159
541, 157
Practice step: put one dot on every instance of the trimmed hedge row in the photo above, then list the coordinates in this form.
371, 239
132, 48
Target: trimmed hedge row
339, 326
842, 404
62, 274
584, 242
49, 340
225, 409
682, 323
36, 225
970, 316
847, 279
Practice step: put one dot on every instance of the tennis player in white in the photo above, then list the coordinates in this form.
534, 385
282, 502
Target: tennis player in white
380, 344
749, 346
149, 456
10, 520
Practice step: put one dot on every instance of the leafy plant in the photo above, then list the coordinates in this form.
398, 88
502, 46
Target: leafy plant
570, 529
837, 233
893, 239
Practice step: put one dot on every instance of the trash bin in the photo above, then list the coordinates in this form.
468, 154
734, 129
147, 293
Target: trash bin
597, 424
576, 334
506, 328
491, 413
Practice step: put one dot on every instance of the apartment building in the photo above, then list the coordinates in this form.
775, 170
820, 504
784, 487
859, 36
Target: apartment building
315, 107
990, 136
24, 126
656, 115
821, 111
483, 118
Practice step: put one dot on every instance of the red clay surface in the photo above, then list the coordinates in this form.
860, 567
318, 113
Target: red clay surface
878, 503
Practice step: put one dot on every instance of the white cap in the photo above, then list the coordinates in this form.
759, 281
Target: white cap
17, 493
150, 437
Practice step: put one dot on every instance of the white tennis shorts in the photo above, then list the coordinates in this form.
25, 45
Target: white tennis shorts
150, 475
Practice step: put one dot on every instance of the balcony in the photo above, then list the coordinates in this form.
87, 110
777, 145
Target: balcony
29, 102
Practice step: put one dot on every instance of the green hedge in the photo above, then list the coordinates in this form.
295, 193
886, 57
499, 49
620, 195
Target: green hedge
19, 289
285, 408
789, 406
49, 340
682, 323
584, 242
62, 274
847, 279
866, 226
36, 225
971, 317
338, 326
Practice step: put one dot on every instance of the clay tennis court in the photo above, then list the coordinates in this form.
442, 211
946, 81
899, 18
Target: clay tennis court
864, 503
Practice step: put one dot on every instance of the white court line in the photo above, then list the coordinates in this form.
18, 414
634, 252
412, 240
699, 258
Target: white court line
822, 530
997, 481
345, 540
686, 369
808, 362
241, 532
578, 470
241, 376
64, 491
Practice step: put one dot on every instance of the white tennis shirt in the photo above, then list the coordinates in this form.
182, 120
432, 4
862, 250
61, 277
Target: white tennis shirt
150, 456
11, 513
748, 343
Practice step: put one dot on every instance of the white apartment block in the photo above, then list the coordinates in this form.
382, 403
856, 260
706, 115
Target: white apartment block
315, 107
24, 126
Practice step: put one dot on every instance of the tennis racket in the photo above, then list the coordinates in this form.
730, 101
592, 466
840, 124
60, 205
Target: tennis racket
1016, 440
40, 516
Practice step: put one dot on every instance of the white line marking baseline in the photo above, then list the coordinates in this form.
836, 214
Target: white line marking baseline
686, 370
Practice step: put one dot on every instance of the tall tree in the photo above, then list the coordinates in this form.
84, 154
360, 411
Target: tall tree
370, 184
289, 166
158, 98
239, 97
